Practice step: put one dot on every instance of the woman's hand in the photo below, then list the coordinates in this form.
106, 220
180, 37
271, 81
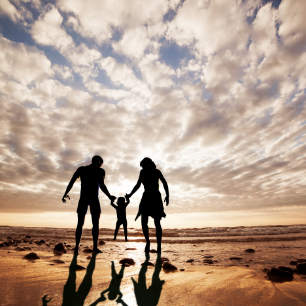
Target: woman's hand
127, 196
167, 200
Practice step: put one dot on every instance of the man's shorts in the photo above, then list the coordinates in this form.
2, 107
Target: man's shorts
94, 203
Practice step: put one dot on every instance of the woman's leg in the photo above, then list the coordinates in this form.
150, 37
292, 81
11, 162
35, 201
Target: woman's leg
159, 234
78, 232
145, 230
125, 229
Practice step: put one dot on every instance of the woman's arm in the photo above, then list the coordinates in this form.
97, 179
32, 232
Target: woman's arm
161, 177
141, 176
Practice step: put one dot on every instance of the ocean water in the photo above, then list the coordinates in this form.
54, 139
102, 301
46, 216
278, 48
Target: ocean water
273, 245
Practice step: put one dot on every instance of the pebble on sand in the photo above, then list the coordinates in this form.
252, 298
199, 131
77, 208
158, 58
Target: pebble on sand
28, 236
249, 251
130, 249
59, 247
31, 255
58, 261
279, 275
153, 251
19, 249
163, 259
182, 269
285, 269
293, 263
190, 260
130, 261
149, 263
89, 257
87, 250
42, 241
235, 258
168, 266
208, 261
79, 268
301, 268
101, 242
208, 256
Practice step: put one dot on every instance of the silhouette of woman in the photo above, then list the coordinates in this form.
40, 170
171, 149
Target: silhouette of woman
151, 203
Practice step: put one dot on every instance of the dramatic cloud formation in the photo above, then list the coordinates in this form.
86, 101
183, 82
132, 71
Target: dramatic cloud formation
213, 91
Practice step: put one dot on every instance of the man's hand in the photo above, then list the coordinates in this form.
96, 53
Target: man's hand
127, 196
67, 197
112, 198
167, 200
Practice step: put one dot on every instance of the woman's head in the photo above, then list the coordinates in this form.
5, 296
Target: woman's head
147, 163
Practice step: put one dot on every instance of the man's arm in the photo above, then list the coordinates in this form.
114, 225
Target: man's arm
105, 190
70, 185
161, 177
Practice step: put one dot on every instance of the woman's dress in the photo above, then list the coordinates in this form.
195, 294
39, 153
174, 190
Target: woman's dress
151, 203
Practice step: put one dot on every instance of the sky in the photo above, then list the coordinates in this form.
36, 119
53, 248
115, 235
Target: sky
213, 91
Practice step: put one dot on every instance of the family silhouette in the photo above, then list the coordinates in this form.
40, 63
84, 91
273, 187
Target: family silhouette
151, 205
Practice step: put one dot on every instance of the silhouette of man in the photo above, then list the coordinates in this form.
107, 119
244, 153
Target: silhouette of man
92, 177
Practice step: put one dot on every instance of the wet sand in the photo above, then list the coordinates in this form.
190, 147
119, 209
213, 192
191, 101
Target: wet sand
233, 277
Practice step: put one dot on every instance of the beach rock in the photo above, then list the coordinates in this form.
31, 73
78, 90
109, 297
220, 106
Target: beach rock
235, 258
301, 260
79, 268
285, 269
190, 260
153, 251
125, 264
28, 236
89, 257
37, 242
249, 251
9, 238
246, 265
6, 243
19, 249
31, 256
18, 241
59, 247
265, 270
68, 246
2, 244
202, 250
182, 269
208, 261
130, 261
208, 256
293, 263
130, 249
58, 261
279, 275
163, 259
301, 268
42, 241
30, 242
168, 266
25, 241
149, 263
87, 250
27, 248
101, 242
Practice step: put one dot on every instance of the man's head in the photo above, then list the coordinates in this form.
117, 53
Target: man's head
97, 161
121, 200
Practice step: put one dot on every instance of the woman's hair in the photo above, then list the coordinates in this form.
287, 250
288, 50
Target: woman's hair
147, 163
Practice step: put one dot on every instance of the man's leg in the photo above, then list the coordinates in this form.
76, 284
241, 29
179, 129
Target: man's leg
159, 234
78, 232
95, 229
117, 229
145, 230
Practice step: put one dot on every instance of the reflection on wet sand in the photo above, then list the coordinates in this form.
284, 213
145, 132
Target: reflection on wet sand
74, 297
114, 288
148, 296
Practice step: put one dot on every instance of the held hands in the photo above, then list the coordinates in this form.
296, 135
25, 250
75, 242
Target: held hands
112, 198
67, 197
127, 196
167, 200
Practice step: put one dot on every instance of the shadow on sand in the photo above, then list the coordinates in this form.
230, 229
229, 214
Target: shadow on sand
148, 296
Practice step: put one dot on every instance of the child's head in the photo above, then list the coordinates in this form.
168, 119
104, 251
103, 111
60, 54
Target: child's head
121, 200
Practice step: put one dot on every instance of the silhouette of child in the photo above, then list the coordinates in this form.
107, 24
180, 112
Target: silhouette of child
121, 215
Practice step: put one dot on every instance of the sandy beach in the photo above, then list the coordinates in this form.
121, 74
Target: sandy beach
226, 280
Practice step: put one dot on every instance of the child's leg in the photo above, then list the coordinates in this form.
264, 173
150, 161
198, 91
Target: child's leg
117, 228
125, 229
